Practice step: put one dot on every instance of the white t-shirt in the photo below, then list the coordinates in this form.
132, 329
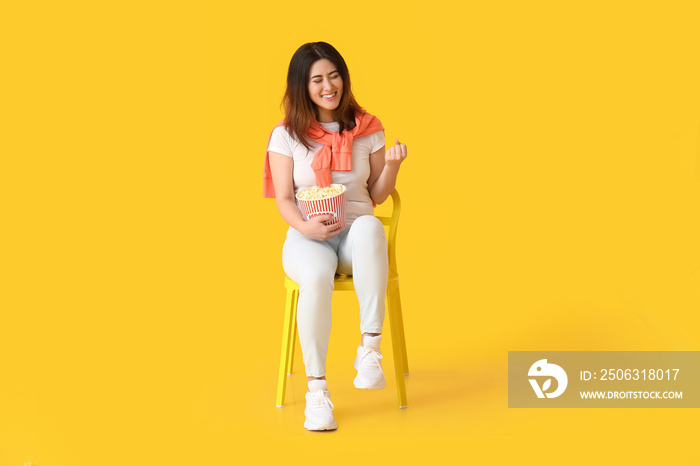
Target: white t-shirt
355, 181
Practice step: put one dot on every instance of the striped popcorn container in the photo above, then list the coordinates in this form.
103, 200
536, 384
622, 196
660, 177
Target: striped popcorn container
319, 201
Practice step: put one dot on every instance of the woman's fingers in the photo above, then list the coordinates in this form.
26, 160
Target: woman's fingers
396, 153
401, 149
332, 229
322, 232
329, 222
332, 233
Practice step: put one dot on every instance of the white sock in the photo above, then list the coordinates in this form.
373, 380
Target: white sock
318, 384
373, 342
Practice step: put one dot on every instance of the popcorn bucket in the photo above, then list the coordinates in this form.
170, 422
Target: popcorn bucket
318, 205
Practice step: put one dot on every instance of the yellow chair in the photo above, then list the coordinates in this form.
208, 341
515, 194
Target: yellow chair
343, 283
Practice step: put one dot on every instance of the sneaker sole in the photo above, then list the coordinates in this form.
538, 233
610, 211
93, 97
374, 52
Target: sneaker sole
363, 385
311, 426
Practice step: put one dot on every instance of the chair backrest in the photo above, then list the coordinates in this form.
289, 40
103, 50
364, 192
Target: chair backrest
392, 222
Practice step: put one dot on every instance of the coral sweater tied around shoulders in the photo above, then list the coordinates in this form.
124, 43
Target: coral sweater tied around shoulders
336, 153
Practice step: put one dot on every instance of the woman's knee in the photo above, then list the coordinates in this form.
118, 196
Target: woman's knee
317, 279
369, 231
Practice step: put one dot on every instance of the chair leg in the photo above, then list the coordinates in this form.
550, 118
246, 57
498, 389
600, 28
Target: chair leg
293, 336
284, 356
398, 345
398, 312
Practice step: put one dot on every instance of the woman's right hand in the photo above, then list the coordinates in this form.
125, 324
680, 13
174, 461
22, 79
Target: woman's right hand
315, 229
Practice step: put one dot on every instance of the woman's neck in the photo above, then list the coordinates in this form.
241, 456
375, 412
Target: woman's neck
325, 116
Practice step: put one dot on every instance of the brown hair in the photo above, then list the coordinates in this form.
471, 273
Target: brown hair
299, 111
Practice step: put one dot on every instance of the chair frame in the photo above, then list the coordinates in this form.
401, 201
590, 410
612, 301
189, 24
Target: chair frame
343, 283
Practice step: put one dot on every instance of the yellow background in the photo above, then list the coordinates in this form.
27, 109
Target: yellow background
550, 196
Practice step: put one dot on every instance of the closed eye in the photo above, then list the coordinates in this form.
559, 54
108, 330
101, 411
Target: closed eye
332, 75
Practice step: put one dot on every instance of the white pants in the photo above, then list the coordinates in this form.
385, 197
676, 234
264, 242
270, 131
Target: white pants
360, 251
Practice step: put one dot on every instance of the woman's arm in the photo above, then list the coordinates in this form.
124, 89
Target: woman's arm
383, 170
282, 168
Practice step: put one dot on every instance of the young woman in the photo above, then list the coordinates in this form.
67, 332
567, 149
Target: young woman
326, 137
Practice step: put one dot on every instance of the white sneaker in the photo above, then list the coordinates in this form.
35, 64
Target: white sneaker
319, 408
370, 375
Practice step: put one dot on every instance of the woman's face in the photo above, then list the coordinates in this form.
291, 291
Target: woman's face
325, 88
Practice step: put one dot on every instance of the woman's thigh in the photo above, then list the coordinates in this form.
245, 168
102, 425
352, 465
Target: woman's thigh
366, 239
307, 261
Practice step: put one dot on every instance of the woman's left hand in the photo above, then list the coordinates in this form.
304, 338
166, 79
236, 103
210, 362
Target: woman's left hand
395, 155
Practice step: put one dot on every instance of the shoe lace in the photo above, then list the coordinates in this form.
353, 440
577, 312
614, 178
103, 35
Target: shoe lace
371, 357
321, 398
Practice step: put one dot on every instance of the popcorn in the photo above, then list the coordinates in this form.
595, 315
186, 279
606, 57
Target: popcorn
320, 193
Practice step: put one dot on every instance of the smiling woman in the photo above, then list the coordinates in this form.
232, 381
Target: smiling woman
326, 137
